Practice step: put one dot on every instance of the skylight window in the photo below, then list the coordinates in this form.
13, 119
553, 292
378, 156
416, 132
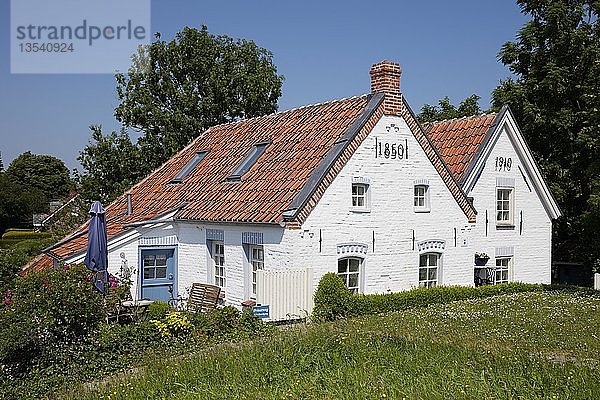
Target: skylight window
189, 167
248, 161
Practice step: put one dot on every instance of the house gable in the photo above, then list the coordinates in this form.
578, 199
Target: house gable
530, 172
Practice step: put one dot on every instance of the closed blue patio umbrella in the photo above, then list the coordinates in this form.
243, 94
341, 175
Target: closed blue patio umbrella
96, 257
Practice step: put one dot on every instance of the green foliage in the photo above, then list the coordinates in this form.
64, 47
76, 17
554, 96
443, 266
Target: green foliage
25, 234
18, 203
446, 110
158, 310
178, 89
229, 323
556, 100
175, 324
45, 173
15, 257
112, 164
332, 298
44, 310
521, 346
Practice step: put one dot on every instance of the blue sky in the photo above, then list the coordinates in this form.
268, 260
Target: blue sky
324, 50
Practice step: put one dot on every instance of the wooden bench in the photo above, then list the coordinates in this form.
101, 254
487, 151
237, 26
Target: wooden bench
203, 297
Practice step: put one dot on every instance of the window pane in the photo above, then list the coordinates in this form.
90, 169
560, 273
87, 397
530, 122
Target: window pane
354, 264
161, 272
352, 280
422, 274
433, 258
161, 260
423, 260
342, 266
149, 273
148, 261
432, 273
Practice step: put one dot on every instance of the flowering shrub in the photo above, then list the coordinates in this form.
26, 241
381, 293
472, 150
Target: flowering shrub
174, 324
12, 259
43, 310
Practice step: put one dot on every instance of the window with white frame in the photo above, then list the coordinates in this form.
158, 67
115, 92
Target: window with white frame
349, 271
502, 272
504, 206
421, 198
257, 261
218, 257
429, 268
360, 197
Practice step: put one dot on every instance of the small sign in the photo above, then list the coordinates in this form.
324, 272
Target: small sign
261, 312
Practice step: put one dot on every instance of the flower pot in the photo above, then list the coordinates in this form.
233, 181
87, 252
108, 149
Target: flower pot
481, 261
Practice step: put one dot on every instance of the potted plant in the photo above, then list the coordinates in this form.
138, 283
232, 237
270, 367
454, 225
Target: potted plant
481, 258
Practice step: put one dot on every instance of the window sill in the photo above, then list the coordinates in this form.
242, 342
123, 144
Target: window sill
504, 227
422, 210
360, 210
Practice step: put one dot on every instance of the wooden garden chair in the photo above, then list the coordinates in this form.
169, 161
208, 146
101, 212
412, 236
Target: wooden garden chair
203, 297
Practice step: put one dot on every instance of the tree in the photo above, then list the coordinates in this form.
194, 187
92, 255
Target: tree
46, 173
556, 99
18, 203
113, 164
446, 110
176, 90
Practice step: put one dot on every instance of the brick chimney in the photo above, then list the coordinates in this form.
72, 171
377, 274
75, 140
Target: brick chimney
385, 78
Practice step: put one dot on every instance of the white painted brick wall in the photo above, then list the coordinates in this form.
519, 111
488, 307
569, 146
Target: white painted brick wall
531, 261
393, 266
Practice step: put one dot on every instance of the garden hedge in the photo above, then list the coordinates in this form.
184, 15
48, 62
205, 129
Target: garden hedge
331, 303
18, 234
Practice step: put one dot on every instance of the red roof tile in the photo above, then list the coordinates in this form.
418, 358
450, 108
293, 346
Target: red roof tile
458, 140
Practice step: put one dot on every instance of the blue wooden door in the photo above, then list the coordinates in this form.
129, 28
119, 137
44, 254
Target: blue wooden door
158, 274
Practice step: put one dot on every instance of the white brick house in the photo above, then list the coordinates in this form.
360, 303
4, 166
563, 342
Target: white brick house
354, 186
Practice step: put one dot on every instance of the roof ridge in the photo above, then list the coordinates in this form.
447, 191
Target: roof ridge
277, 113
461, 118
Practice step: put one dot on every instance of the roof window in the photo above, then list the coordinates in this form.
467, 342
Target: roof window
189, 167
248, 161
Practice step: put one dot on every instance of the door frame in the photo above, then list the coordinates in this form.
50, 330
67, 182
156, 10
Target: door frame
140, 280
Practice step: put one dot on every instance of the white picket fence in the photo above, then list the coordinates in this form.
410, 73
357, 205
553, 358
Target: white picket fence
597, 281
288, 293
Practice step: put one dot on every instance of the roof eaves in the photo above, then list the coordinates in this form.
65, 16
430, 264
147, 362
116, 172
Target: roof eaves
330, 158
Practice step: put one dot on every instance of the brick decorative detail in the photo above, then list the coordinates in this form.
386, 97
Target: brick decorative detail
434, 245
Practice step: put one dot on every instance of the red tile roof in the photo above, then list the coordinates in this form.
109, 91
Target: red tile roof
300, 139
457, 140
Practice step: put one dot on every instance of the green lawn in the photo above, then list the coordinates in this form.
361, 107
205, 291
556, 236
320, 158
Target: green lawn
522, 346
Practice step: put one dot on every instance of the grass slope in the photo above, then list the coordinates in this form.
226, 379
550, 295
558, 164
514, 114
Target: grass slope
521, 346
